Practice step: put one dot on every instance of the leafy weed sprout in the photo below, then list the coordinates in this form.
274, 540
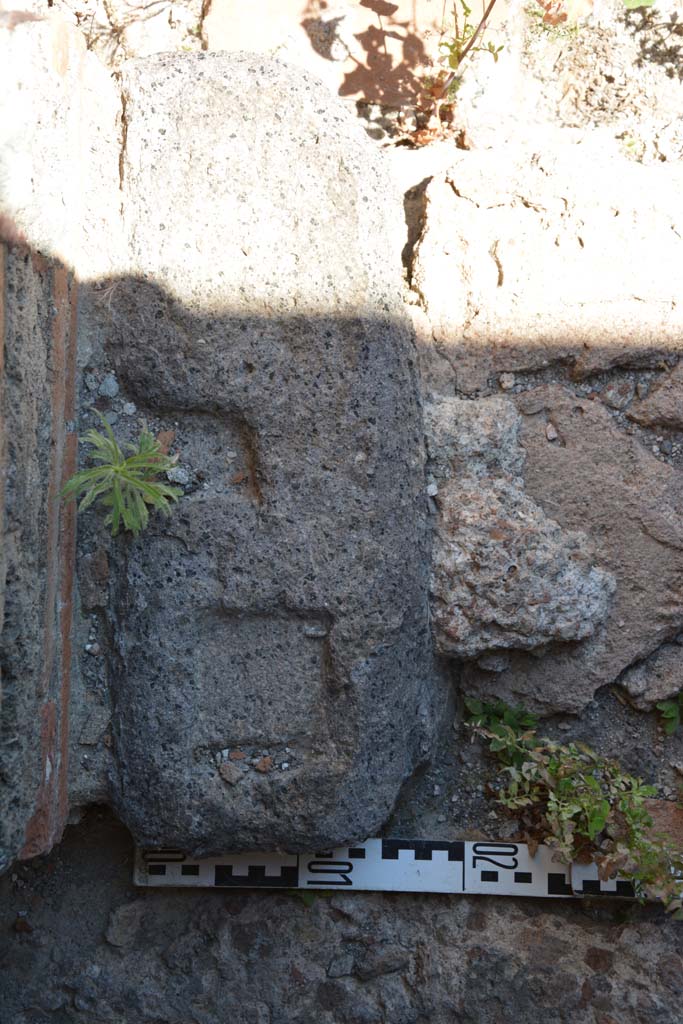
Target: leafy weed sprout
464, 40
559, 17
127, 485
579, 803
672, 713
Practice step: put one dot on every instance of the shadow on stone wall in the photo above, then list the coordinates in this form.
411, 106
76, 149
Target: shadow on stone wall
381, 76
264, 654
660, 40
280, 615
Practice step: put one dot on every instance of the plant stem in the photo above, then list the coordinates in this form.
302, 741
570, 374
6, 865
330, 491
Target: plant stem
470, 43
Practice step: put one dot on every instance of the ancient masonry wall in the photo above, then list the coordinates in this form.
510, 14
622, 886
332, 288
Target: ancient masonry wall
395, 491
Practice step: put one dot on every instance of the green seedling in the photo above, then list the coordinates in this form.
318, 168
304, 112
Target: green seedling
464, 40
672, 713
127, 485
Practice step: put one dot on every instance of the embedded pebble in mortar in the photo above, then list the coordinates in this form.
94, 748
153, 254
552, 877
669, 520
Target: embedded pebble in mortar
109, 387
230, 773
129, 409
506, 381
178, 475
618, 394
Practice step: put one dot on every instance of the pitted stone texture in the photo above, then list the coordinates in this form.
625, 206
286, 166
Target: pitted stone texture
598, 479
281, 613
504, 575
566, 257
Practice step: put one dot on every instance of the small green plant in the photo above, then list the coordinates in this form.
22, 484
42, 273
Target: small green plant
127, 485
672, 713
494, 715
466, 35
557, 18
463, 41
579, 803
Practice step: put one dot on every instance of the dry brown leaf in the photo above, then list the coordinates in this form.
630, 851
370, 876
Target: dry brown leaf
165, 439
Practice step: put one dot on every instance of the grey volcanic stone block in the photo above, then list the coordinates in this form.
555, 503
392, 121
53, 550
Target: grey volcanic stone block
278, 621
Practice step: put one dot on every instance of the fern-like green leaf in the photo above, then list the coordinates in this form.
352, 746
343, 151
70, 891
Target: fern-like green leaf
126, 485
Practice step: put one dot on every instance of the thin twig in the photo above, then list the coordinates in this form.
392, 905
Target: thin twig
470, 43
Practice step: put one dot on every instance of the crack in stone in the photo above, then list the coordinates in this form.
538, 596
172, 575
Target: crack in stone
493, 252
124, 136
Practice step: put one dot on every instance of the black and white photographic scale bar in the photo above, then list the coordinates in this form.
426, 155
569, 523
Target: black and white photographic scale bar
387, 865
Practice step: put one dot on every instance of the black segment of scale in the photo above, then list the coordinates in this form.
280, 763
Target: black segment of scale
422, 848
523, 877
593, 887
256, 876
189, 869
156, 869
558, 885
356, 853
489, 876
